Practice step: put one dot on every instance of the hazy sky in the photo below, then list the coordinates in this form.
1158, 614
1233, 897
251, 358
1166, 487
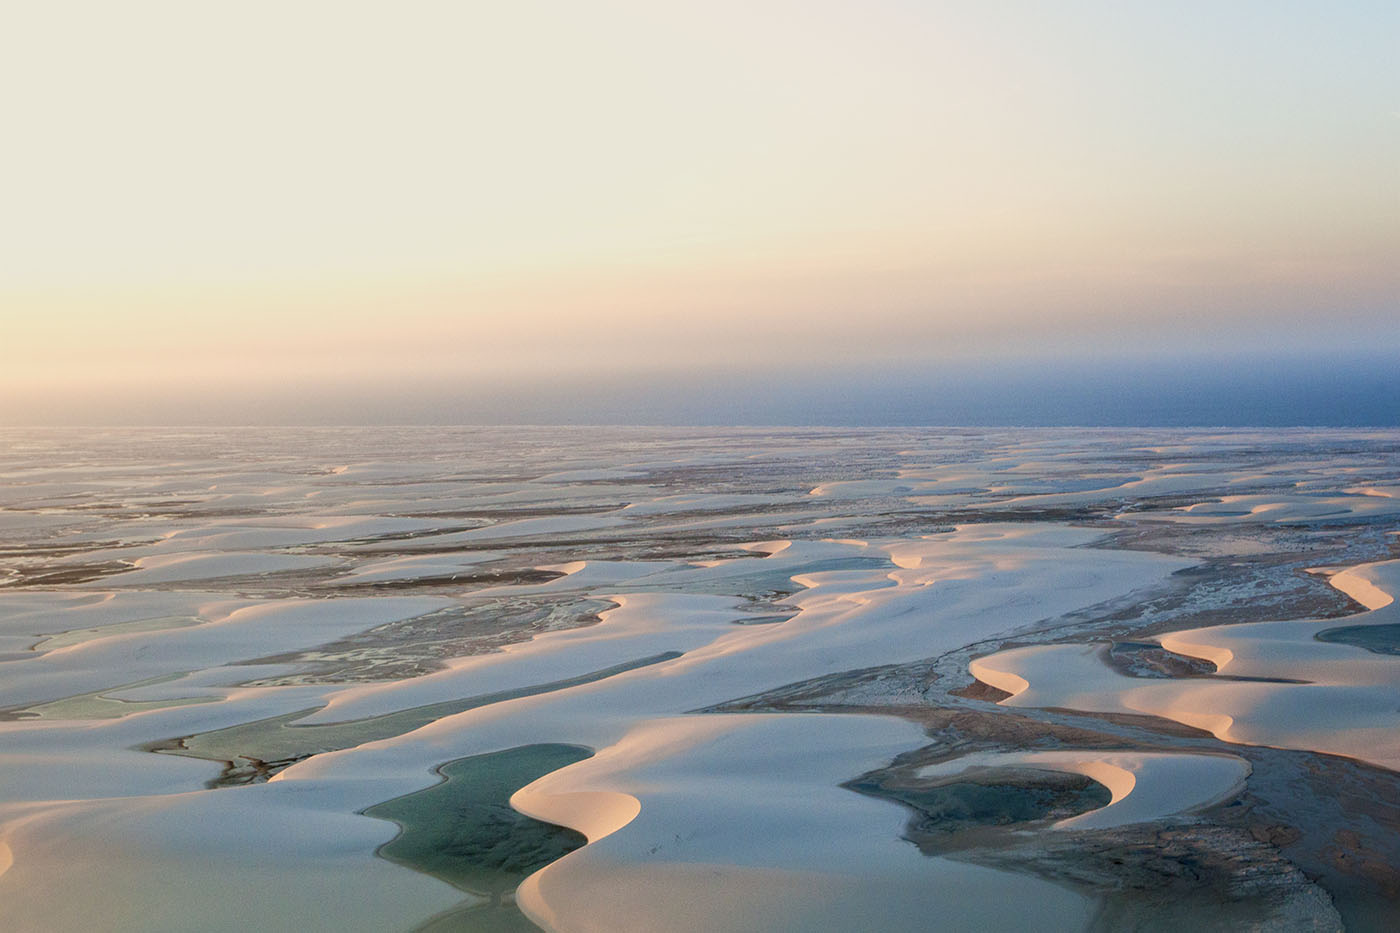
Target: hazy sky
200, 197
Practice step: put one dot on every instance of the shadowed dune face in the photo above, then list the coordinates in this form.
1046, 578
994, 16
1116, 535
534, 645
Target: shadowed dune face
764, 640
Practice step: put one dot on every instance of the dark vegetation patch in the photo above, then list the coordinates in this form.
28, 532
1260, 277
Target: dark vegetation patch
465, 578
46, 575
949, 807
423, 644
1151, 660
977, 690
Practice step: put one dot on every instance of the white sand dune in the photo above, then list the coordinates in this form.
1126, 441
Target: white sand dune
521, 528
697, 821
725, 838
403, 569
1145, 786
1347, 703
291, 531
198, 566
162, 862
32, 620
848, 618
229, 632
667, 505
1286, 508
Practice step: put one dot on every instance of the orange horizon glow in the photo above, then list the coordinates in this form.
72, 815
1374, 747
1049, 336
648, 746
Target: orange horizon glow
200, 195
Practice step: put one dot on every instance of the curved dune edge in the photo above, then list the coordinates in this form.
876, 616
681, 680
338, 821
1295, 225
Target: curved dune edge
1155, 786
1379, 492
1182, 643
542, 644
595, 813
767, 548
764, 550
1285, 687
1217, 724
1277, 508
567, 569
1003, 680
1145, 786
727, 838
533, 904
1356, 583
598, 813
1119, 781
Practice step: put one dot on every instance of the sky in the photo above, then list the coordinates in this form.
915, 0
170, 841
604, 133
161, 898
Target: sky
250, 211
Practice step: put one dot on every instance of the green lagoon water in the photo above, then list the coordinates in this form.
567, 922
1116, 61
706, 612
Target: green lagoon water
464, 831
